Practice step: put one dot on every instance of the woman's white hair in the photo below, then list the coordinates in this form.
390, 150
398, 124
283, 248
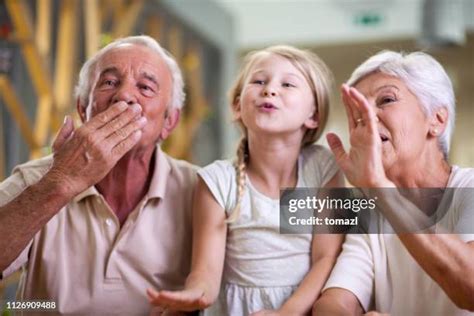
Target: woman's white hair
87, 73
424, 77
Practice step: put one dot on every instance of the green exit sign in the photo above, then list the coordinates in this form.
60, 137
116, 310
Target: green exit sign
368, 19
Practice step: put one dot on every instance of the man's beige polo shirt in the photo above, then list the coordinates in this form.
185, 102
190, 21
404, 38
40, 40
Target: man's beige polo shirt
84, 262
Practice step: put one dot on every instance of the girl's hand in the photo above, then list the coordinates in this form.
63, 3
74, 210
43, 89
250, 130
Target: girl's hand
363, 165
186, 300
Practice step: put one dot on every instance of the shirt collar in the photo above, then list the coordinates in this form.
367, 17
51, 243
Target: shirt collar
88, 192
158, 181
160, 175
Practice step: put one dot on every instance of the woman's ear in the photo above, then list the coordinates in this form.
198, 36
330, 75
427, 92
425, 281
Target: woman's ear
438, 122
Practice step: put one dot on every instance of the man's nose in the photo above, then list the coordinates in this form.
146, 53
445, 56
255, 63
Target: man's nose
125, 94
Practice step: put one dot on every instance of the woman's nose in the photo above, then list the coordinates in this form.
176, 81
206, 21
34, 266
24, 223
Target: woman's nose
377, 112
126, 94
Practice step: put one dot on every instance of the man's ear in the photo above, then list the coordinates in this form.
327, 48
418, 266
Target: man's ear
438, 122
171, 121
81, 110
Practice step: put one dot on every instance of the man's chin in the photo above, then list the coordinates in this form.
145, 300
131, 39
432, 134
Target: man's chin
141, 148
147, 142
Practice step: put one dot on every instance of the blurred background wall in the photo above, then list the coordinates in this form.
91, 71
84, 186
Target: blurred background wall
43, 44
346, 32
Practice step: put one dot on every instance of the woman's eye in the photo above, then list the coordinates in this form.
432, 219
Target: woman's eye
288, 85
385, 100
256, 81
109, 82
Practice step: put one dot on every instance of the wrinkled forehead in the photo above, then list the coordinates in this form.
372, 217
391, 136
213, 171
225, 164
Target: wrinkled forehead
133, 58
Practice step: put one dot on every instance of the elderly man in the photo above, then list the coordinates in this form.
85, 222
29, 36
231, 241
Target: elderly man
108, 215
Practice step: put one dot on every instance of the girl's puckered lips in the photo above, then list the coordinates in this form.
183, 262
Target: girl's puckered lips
267, 106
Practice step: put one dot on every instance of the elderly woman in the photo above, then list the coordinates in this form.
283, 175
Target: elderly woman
400, 110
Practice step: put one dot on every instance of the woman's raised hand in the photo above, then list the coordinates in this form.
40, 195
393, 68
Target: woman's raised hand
363, 165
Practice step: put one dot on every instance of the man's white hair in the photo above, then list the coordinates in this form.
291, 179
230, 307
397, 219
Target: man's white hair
424, 77
87, 73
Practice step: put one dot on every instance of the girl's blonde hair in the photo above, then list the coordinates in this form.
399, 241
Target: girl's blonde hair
320, 80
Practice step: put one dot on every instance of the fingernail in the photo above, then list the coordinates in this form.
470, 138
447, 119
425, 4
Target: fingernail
122, 105
136, 108
66, 118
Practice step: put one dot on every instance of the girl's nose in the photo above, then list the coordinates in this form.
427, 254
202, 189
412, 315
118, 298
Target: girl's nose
269, 91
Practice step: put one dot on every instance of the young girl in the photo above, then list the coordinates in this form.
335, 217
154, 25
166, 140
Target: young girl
280, 100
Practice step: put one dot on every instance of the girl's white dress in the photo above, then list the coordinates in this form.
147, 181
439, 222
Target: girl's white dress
262, 267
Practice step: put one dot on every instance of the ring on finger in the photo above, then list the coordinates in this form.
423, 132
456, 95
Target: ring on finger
359, 121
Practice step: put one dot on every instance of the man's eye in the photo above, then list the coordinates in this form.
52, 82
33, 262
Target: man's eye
146, 89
